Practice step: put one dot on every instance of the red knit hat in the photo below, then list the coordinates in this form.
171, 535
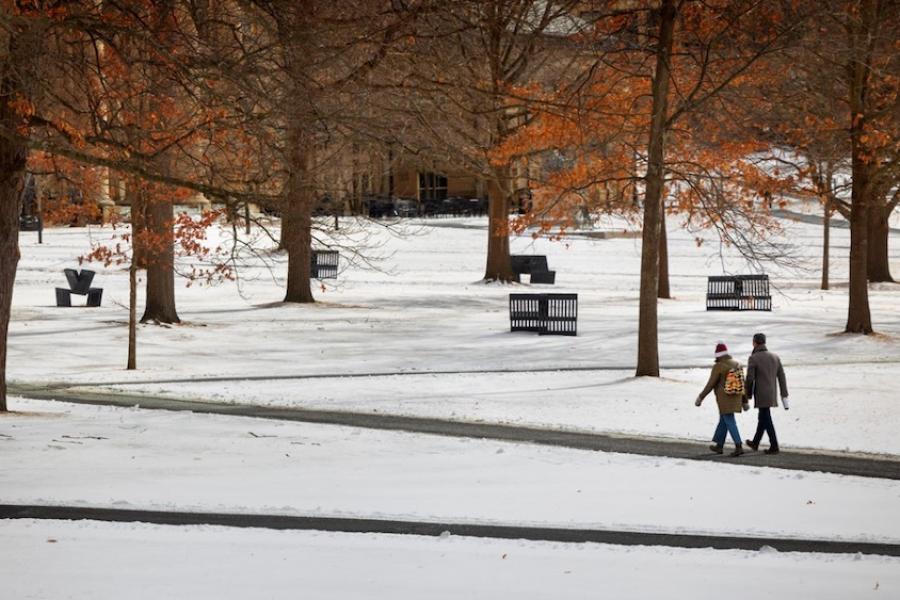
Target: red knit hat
721, 349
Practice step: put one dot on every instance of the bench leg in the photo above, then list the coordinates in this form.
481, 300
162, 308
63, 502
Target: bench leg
63, 297
95, 296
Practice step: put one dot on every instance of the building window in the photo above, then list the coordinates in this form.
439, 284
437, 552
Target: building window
432, 186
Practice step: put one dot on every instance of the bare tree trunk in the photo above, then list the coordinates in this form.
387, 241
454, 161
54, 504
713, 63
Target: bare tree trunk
859, 318
12, 172
160, 265
134, 194
879, 266
296, 220
635, 194
132, 316
498, 266
664, 291
826, 244
296, 223
12, 180
648, 335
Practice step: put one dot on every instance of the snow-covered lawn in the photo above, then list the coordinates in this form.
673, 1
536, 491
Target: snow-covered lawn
183, 461
425, 312
88, 560
836, 408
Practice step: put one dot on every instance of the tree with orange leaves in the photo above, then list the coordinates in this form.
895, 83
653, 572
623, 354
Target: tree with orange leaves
458, 91
84, 81
839, 110
661, 106
133, 245
297, 73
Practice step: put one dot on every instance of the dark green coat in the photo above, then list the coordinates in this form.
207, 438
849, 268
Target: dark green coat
728, 403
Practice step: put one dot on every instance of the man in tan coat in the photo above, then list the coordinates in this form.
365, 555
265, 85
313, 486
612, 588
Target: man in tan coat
765, 378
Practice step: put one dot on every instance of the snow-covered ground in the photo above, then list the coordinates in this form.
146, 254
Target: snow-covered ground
410, 324
424, 311
87, 560
58, 453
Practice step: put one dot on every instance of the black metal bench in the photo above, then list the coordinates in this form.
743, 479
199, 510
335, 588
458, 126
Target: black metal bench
80, 284
323, 264
30, 223
738, 292
534, 265
546, 314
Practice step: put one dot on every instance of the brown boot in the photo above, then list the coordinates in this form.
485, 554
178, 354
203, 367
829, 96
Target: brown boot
738, 450
751, 445
716, 449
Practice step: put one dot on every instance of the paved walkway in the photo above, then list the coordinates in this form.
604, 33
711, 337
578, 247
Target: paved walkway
886, 467
432, 528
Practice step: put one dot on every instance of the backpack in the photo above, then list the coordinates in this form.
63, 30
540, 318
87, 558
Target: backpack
734, 381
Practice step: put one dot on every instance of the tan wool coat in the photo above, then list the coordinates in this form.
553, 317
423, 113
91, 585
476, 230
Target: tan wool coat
728, 403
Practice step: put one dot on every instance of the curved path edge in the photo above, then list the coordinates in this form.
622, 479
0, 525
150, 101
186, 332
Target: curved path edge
884, 467
426, 373
430, 528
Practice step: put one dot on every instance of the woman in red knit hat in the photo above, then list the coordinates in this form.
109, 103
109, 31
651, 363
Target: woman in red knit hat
727, 379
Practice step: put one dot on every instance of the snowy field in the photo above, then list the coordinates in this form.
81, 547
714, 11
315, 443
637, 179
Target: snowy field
102, 456
422, 311
423, 337
57, 453
88, 561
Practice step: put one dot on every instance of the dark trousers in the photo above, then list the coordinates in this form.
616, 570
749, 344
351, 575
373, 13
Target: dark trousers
765, 425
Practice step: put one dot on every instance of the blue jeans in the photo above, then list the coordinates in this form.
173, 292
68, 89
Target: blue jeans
726, 422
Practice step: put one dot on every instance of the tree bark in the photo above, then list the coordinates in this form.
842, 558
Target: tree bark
296, 223
13, 157
299, 193
296, 218
134, 195
859, 318
498, 266
160, 263
879, 266
648, 335
131, 365
664, 291
826, 244
12, 176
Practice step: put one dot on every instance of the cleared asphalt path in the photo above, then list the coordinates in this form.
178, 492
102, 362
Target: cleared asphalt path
430, 528
799, 460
